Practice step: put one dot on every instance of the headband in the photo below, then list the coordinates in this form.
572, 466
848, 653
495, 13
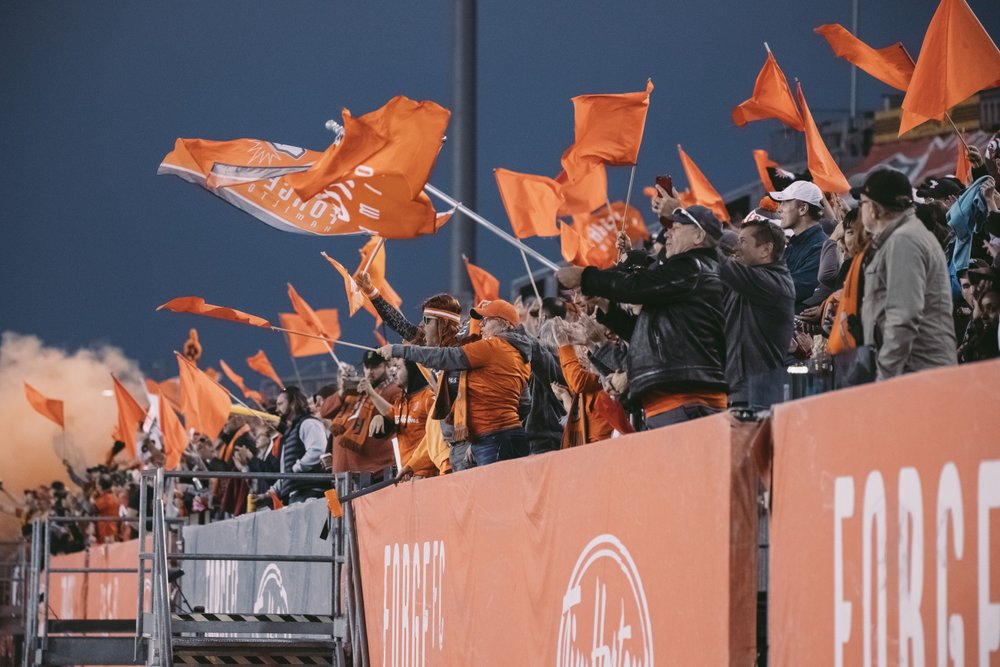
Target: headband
443, 315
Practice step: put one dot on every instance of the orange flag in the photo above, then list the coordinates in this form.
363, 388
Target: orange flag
403, 137
204, 403
309, 317
130, 415
532, 202
197, 306
175, 436
260, 363
356, 299
484, 284
891, 65
598, 231
303, 346
825, 172
238, 381
572, 245
763, 162
957, 59
50, 408
701, 191
584, 195
608, 129
963, 168
376, 271
772, 98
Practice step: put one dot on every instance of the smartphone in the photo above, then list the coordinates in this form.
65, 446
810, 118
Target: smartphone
667, 183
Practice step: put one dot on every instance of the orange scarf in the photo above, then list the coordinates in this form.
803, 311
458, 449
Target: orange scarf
841, 338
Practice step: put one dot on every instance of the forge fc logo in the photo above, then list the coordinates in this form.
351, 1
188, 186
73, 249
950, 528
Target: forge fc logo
605, 618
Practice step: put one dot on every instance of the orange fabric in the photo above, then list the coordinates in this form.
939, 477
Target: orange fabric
197, 306
333, 502
573, 247
657, 402
431, 456
353, 449
772, 98
313, 323
484, 284
410, 414
532, 202
355, 297
607, 130
252, 175
825, 172
260, 363
891, 65
376, 271
49, 408
403, 137
227, 452
762, 161
238, 381
840, 337
496, 380
378, 334
175, 437
598, 232
583, 424
701, 191
108, 504
130, 416
204, 403
957, 60
304, 346
585, 193
963, 168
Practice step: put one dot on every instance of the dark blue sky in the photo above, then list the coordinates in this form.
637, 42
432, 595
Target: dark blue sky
94, 94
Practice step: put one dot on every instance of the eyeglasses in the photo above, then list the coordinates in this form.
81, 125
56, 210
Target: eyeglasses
428, 320
533, 313
694, 221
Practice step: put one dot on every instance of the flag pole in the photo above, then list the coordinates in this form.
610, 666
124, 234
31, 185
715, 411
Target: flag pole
371, 258
531, 278
628, 198
329, 341
491, 227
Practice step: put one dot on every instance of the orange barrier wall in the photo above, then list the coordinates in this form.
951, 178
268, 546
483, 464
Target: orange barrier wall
617, 553
97, 595
885, 534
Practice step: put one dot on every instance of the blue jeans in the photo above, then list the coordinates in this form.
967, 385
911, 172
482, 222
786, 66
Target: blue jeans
681, 414
500, 446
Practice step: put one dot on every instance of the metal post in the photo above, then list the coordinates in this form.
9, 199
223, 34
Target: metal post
47, 556
359, 605
141, 602
463, 138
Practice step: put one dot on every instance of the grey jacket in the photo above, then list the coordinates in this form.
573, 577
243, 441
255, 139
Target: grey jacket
906, 310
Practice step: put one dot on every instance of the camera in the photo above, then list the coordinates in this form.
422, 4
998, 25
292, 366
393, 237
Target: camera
351, 385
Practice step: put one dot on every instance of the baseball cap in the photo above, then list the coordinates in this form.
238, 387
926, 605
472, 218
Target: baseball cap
497, 308
801, 191
939, 188
887, 187
700, 217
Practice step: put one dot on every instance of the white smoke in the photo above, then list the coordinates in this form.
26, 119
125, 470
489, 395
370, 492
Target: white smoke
31, 446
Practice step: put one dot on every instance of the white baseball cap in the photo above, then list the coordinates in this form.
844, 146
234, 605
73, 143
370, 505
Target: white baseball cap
802, 191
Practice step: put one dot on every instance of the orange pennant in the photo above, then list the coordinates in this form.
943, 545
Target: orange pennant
484, 284
204, 403
957, 60
376, 271
238, 381
260, 363
701, 191
50, 408
304, 346
584, 195
762, 161
963, 168
355, 297
891, 65
130, 416
532, 202
197, 306
772, 98
608, 130
175, 437
825, 172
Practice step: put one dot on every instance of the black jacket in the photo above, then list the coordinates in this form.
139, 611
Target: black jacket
679, 343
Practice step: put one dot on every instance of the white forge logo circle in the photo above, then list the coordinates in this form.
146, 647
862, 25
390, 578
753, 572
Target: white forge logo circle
271, 595
605, 617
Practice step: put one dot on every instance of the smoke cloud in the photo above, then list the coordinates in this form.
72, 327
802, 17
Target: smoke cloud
31, 446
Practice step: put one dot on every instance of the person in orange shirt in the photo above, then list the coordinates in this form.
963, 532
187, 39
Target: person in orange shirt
406, 419
109, 504
492, 374
584, 423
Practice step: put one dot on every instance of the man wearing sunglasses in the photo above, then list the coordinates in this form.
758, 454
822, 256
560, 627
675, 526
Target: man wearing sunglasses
677, 351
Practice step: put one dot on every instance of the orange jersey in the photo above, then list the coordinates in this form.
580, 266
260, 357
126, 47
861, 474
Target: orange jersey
657, 402
498, 376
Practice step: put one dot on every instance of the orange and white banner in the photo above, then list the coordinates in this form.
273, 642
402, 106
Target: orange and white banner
97, 595
594, 556
885, 536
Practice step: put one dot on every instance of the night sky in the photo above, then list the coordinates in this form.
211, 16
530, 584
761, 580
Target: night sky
94, 94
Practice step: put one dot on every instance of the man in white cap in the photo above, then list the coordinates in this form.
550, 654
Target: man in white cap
801, 208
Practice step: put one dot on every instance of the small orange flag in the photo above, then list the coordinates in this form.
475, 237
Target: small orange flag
532, 202
333, 502
608, 129
175, 436
238, 381
50, 408
572, 246
772, 98
484, 284
825, 172
313, 324
130, 415
963, 168
957, 60
260, 363
763, 162
304, 346
197, 306
204, 403
376, 271
585, 194
356, 299
891, 65
598, 232
701, 191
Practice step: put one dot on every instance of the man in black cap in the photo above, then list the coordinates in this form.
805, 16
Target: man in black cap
907, 307
677, 350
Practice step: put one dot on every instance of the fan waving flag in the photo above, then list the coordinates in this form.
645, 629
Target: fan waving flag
891, 65
825, 172
376, 271
355, 297
50, 408
197, 306
204, 403
304, 346
130, 416
484, 284
532, 202
701, 191
260, 363
772, 98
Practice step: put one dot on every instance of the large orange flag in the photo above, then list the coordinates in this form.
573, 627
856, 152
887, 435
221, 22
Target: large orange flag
608, 130
252, 175
204, 403
762, 161
130, 416
532, 202
825, 172
700, 190
404, 137
376, 271
50, 408
891, 65
175, 436
484, 284
957, 59
238, 381
304, 346
313, 323
260, 363
598, 232
197, 306
772, 98
585, 194
355, 297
